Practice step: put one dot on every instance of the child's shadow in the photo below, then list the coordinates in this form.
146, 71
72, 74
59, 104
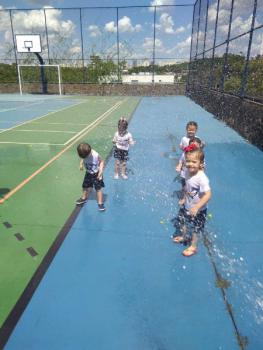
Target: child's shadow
4, 191
93, 196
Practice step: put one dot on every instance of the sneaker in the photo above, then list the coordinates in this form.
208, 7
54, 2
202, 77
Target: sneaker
81, 201
116, 176
124, 176
101, 207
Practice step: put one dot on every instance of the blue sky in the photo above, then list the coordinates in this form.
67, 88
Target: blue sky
173, 28
99, 28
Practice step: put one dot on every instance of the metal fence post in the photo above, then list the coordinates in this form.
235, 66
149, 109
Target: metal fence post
245, 71
206, 17
118, 45
154, 34
224, 70
191, 46
14, 44
213, 54
46, 35
82, 49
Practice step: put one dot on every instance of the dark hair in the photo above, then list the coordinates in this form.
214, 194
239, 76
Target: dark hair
197, 140
122, 125
192, 123
83, 150
200, 153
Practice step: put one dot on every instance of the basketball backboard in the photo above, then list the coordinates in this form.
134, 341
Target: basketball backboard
28, 43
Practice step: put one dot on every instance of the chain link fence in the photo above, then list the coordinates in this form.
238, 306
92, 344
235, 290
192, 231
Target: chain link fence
227, 47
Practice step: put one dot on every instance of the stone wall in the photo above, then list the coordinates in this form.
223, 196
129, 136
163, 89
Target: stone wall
245, 116
101, 89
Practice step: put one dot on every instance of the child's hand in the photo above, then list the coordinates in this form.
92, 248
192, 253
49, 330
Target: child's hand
193, 211
81, 165
178, 168
132, 142
99, 177
181, 202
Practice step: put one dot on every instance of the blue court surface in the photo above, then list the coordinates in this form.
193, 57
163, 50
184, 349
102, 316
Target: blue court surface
29, 108
118, 282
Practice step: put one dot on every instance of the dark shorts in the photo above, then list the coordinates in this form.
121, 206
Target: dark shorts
90, 181
121, 154
193, 223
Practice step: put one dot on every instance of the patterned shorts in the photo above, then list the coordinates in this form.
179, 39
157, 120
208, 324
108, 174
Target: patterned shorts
193, 223
121, 154
91, 180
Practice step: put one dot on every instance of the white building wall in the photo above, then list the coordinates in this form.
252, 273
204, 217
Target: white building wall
146, 78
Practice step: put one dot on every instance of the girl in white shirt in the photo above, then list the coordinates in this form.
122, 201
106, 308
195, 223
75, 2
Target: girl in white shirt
122, 140
192, 214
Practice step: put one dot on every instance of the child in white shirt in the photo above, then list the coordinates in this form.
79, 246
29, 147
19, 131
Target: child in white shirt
191, 217
122, 140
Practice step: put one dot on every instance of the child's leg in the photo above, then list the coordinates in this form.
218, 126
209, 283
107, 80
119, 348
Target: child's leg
116, 168
84, 197
100, 200
192, 249
86, 192
123, 170
100, 197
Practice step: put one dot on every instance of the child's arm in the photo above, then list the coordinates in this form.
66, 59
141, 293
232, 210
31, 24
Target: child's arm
81, 165
131, 140
179, 166
101, 168
114, 140
180, 163
203, 201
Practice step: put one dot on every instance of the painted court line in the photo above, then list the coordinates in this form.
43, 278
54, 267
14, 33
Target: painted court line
28, 130
95, 121
92, 126
45, 115
32, 143
20, 107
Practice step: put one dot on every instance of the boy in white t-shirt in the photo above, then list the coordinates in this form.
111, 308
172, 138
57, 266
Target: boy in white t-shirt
94, 165
122, 140
191, 218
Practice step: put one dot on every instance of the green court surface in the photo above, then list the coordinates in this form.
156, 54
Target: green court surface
40, 178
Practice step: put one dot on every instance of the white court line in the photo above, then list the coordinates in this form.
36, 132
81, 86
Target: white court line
45, 115
19, 107
32, 143
59, 123
64, 132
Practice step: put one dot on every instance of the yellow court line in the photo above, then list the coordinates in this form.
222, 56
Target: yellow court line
92, 126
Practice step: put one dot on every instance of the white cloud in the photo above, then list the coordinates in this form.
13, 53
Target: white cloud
166, 24
180, 30
94, 31
160, 3
181, 49
148, 44
257, 43
110, 27
124, 25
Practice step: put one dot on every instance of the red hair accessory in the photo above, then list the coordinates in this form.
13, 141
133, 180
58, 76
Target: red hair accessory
191, 147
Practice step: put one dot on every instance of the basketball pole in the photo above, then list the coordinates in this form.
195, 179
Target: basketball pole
43, 78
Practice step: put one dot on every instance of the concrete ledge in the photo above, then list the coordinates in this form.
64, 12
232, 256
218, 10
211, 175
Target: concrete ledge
102, 89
